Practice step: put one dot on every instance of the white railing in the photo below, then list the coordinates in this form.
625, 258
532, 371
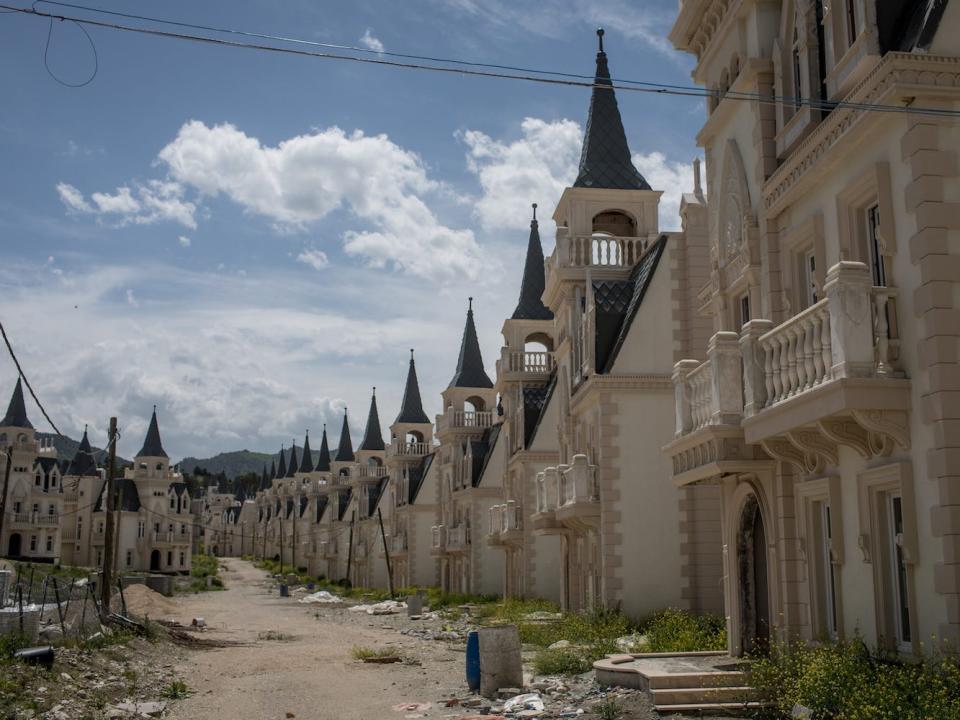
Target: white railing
539, 362
700, 384
399, 447
439, 536
797, 354
161, 537
466, 419
548, 489
599, 250
398, 543
458, 536
328, 547
578, 482
711, 392
373, 471
22, 518
505, 518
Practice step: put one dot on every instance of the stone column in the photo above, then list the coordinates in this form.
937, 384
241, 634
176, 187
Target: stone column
723, 353
681, 395
851, 319
754, 372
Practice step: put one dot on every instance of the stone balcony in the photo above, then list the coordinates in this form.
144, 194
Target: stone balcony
438, 540
523, 365
400, 448
795, 392
26, 521
328, 549
568, 496
458, 539
369, 473
397, 544
506, 525
453, 420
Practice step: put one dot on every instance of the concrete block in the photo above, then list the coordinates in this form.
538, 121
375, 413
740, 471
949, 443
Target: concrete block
500, 661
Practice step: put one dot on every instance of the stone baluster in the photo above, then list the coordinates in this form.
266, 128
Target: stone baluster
681, 395
754, 363
881, 298
581, 478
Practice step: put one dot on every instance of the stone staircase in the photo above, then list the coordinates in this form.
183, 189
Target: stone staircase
683, 683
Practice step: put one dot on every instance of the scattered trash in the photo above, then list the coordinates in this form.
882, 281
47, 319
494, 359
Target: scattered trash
322, 597
387, 607
199, 623
527, 701
143, 709
42, 655
412, 707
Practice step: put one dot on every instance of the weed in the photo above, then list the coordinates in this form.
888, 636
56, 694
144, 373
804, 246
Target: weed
608, 709
673, 630
175, 690
561, 662
366, 653
275, 635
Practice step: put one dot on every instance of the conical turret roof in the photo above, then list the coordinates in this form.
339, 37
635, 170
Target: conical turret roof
373, 436
323, 460
264, 478
16, 411
345, 448
411, 409
530, 306
293, 464
83, 462
282, 466
152, 447
470, 372
306, 460
605, 157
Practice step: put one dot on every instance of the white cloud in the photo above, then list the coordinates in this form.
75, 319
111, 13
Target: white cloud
513, 174
317, 259
305, 178
673, 178
131, 299
184, 241
156, 200
368, 40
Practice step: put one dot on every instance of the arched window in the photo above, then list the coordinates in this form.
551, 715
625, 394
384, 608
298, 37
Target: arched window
614, 222
474, 403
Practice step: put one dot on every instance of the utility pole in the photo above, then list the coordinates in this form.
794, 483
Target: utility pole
108, 532
281, 541
353, 517
6, 485
386, 552
293, 545
116, 535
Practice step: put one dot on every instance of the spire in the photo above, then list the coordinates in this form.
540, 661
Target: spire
282, 467
372, 436
470, 372
306, 460
323, 462
16, 411
605, 158
411, 409
264, 478
530, 306
293, 464
241, 494
83, 462
151, 443
273, 469
345, 448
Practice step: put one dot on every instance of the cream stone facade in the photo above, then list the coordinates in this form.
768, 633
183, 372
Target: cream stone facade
824, 413
56, 510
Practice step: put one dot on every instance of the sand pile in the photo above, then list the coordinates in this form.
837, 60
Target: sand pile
142, 601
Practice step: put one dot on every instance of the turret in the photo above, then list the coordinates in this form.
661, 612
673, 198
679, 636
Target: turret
470, 389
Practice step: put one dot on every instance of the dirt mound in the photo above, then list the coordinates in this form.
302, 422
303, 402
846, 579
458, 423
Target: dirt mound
142, 601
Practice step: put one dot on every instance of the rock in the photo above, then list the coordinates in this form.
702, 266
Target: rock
560, 645
507, 693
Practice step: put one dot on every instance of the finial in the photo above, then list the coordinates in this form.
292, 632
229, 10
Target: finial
600, 36
374, 390
534, 212
470, 308
411, 353
324, 427
696, 177
154, 408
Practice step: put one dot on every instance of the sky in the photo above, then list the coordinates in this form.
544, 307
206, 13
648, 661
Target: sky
252, 241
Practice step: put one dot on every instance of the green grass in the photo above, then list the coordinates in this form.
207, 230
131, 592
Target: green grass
202, 567
176, 690
561, 662
364, 654
673, 630
608, 709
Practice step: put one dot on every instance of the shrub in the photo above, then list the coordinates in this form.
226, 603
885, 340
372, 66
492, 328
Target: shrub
846, 680
673, 630
175, 690
608, 709
561, 662
364, 654
11, 643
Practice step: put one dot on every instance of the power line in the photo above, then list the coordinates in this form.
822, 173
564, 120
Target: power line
467, 68
26, 382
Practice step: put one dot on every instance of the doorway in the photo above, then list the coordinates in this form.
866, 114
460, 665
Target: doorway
155, 561
14, 546
754, 580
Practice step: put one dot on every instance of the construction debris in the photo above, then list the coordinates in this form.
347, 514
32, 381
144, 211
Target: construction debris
322, 597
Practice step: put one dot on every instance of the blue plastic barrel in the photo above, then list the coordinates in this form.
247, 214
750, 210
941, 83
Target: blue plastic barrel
473, 661
284, 592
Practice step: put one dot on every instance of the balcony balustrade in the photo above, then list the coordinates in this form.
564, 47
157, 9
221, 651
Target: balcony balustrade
598, 251
438, 542
506, 524
578, 495
453, 419
524, 364
398, 543
402, 448
826, 376
35, 519
458, 538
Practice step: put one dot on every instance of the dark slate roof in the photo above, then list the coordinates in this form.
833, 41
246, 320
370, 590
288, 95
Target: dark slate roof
343, 499
282, 467
617, 302
530, 428
128, 495
470, 372
303, 504
322, 501
289, 508
534, 400
374, 494
372, 436
292, 464
416, 474
264, 479
16, 411
411, 409
83, 462
908, 25
484, 450
323, 460
605, 158
306, 462
530, 306
152, 447
273, 470
345, 448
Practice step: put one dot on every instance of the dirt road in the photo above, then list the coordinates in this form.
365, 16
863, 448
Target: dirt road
310, 674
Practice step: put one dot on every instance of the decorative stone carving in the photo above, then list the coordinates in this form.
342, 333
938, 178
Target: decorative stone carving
844, 431
888, 424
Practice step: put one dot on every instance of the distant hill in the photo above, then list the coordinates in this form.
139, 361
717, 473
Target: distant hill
236, 463
66, 448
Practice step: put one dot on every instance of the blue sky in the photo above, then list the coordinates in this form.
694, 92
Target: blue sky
251, 241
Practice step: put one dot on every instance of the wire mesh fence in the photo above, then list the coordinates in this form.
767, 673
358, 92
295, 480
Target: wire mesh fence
41, 604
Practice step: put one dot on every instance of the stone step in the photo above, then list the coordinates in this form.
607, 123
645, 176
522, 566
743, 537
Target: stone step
723, 708
696, 695
730, 678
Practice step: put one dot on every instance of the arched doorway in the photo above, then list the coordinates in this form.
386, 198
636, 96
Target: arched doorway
754, 580
13, 547
155, 561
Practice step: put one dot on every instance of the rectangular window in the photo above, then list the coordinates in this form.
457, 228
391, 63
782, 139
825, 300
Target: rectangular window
182, 559
744, 309
36, 508
51, 509
99, 557
901, 602
33, 542
129, 558
811, 293
169, 558
36, 480
49, 543
17, 507
140, 529
79, 527
830, 588
877, 269
851, 22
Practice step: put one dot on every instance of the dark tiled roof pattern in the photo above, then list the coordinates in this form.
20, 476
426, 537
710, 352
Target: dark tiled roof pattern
16, 411
411, 409
372, 436
323, 459
530, 306
345, 448
470, 372
152, 447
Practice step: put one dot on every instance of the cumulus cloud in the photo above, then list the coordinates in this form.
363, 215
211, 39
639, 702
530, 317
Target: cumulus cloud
370, 41
184, 241
538, 165
317, 259
144, 204
132, 299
